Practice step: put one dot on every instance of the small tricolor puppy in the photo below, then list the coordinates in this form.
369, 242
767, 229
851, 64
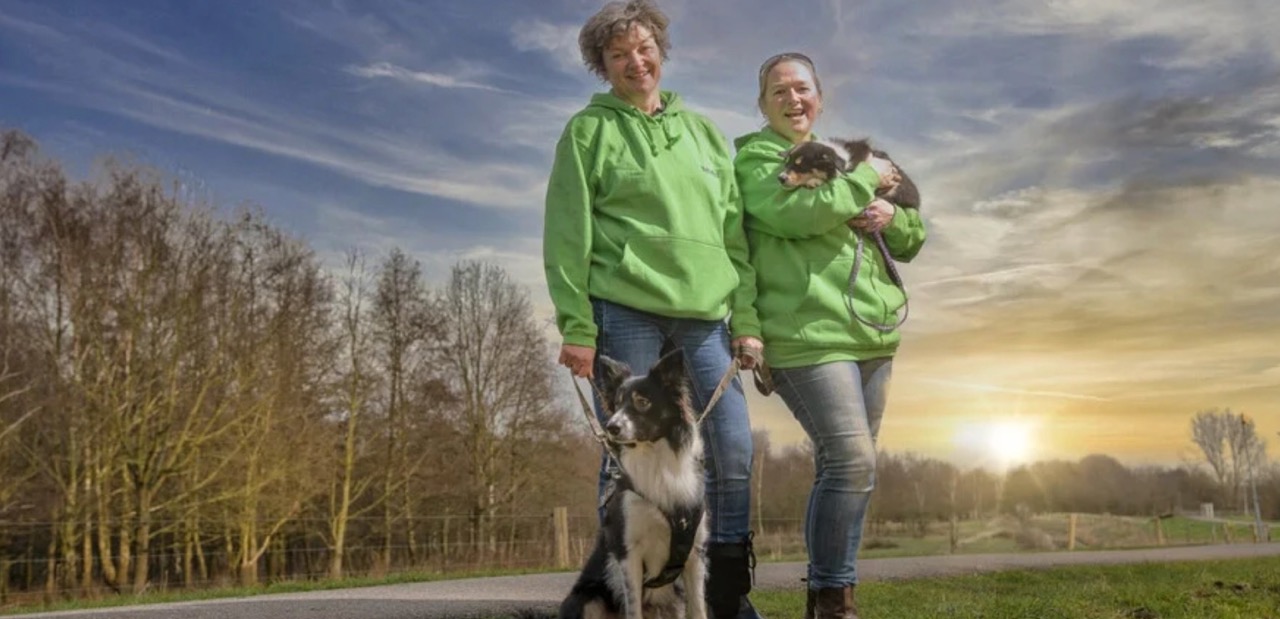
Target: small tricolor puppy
810, 164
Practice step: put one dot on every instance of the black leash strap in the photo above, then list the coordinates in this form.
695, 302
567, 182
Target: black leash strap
893, 276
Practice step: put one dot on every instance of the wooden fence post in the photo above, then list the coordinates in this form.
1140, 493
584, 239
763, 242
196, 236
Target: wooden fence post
561, 517
1071, 532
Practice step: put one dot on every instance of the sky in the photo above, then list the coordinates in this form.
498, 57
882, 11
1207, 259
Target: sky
1101, 180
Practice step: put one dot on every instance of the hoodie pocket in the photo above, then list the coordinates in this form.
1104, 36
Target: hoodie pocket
690, 277
822, 317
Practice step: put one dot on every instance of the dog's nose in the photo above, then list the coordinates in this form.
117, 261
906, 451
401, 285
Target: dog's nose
782, 178
613, 427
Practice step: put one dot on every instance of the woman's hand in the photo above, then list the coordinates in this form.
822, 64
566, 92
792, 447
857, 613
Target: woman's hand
889, 176
875, 217
579, 359
749, 350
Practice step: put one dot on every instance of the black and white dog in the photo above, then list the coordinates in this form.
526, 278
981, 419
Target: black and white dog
810, 164
648, 559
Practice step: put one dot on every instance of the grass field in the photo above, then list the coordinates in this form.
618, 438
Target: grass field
1010, 534
1239, 589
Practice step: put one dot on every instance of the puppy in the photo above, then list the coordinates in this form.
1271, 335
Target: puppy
810, 164
648, 558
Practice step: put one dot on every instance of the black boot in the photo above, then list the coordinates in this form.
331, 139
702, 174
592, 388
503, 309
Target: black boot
730, 567
835, 603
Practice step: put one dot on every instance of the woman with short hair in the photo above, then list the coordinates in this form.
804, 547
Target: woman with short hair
644, 246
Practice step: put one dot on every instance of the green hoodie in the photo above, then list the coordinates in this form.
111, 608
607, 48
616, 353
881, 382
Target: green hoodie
803, 254
643, 211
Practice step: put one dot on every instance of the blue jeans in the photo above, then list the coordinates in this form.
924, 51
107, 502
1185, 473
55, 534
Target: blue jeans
839, 405
635, 338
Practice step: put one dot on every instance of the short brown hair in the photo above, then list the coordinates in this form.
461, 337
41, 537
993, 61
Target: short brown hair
618, 18
778, 59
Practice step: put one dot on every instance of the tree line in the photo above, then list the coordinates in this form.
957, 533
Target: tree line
916, 491
186, 394
189, 397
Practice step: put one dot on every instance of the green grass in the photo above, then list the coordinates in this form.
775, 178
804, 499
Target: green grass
1180, 529
1236, 589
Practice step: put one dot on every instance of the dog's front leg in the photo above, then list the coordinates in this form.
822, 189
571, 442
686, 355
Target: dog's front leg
695, 582
635, 585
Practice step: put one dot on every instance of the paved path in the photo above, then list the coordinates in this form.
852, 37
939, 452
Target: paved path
538, 595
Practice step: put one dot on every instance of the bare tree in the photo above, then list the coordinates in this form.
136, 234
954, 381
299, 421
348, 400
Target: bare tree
402, 319
499, 367
356, 389
14, 411
282, 353
1227, 442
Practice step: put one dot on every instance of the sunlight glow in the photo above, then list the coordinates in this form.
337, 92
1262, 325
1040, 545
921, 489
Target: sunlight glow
1003, 443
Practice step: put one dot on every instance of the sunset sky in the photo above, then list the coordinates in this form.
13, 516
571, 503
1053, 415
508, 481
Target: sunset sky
1101, 179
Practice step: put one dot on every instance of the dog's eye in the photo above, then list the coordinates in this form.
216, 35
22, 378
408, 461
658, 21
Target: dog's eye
640, 402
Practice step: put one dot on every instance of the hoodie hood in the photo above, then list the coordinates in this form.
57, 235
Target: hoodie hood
766, 133
661, 130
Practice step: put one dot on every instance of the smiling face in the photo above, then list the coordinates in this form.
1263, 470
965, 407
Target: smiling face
633, 66
791, 100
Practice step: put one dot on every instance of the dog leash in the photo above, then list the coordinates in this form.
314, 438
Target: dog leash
725, 380
594, 423
893, 276
764, 378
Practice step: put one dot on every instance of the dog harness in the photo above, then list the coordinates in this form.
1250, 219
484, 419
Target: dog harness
684, 527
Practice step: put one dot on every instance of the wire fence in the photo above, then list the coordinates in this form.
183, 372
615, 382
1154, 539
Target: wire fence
36, 566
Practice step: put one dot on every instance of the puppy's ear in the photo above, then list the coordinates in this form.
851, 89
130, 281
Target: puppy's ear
612, 374
670, 370
786, 153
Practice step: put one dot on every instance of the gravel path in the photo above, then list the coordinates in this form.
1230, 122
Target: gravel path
539, 594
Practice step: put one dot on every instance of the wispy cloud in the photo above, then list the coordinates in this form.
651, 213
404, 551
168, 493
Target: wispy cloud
201, 101
1001, 389
388, 70
557, 41
1184, 35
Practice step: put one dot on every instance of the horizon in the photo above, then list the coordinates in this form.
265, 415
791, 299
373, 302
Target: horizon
1099, 179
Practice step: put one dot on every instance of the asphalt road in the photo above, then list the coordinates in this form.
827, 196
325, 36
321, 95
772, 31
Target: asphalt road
540, 594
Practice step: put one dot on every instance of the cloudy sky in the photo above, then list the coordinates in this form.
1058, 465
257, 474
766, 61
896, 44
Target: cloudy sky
1100, 179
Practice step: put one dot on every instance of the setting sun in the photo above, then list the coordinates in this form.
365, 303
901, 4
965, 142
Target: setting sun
1003, 443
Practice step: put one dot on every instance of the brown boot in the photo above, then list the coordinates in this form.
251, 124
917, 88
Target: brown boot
835, 603
810, 597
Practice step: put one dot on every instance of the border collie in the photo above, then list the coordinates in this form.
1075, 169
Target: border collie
648, 558
810, 164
